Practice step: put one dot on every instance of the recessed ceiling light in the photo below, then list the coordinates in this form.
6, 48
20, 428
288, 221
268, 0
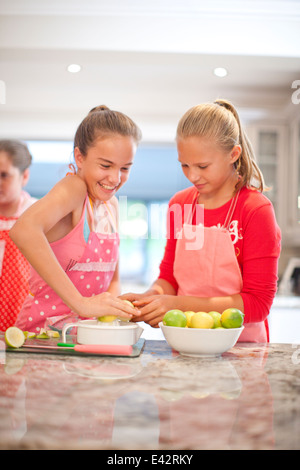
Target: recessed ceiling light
74, 68
220, 72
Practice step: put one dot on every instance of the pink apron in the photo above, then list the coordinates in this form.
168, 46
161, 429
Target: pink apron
91, 274
211, 270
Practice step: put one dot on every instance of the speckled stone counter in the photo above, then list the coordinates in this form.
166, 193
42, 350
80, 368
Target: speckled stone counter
249, 398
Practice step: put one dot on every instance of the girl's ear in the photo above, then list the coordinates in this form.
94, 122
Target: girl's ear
235, 153
78, 157
25, 177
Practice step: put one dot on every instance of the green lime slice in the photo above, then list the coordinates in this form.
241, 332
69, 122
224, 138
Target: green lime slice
29, 334
14, 337
42, 336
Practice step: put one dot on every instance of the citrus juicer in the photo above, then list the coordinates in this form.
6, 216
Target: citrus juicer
116, 332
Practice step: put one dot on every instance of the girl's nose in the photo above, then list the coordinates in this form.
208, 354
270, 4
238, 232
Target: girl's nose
115, 177
193, 175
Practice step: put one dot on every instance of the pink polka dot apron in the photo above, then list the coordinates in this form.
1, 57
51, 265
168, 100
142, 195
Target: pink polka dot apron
206, 266
91, 273
14, 269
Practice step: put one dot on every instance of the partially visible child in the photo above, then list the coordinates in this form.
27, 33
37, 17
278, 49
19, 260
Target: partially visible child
73, 255
15, 161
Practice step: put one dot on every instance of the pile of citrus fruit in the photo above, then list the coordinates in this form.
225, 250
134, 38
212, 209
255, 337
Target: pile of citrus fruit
230, 318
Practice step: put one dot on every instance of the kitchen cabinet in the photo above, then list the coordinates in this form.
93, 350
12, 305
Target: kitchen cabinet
269, 143
293, 185
277, 149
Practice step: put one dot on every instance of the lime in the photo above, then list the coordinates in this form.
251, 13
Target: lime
216, 316
202, 320
189, 315
14, 337
29, 334
232, 318
175, 318
42, 336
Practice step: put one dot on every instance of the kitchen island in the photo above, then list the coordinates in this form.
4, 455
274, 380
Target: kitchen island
249, 398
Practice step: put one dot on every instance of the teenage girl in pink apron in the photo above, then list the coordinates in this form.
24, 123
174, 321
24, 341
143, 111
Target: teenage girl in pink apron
230, 258
15, 160
89, 259
74, 263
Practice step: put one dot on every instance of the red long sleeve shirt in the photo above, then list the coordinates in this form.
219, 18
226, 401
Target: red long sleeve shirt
256, 238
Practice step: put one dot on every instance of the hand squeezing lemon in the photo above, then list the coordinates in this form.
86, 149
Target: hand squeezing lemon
112, 318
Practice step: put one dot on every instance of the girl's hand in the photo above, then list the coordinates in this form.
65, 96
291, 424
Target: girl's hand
106, 304
133, 297
154, 307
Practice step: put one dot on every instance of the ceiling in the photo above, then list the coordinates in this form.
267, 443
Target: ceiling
152, 59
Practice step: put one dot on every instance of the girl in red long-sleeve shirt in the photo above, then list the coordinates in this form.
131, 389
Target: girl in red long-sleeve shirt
232, 261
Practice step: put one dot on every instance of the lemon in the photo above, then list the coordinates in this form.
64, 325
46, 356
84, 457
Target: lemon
175, 318
129, 303
232, 318
107, 318
202, 320
189, 315
52, 334
14, 337
216, 316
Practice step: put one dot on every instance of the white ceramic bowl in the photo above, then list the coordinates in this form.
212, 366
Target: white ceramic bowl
91, 332
200, 342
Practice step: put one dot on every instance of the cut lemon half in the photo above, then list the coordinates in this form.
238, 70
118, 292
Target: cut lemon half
107, 318
14, 337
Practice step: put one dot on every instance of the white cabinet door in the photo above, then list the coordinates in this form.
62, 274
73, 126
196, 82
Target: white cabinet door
270, 146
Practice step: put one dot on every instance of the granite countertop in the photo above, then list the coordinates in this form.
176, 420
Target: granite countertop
249, 398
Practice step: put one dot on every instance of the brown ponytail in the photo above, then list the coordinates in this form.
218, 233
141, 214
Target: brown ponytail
101, 122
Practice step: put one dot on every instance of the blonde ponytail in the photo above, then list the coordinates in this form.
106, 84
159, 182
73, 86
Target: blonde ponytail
220, 121
246, 165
